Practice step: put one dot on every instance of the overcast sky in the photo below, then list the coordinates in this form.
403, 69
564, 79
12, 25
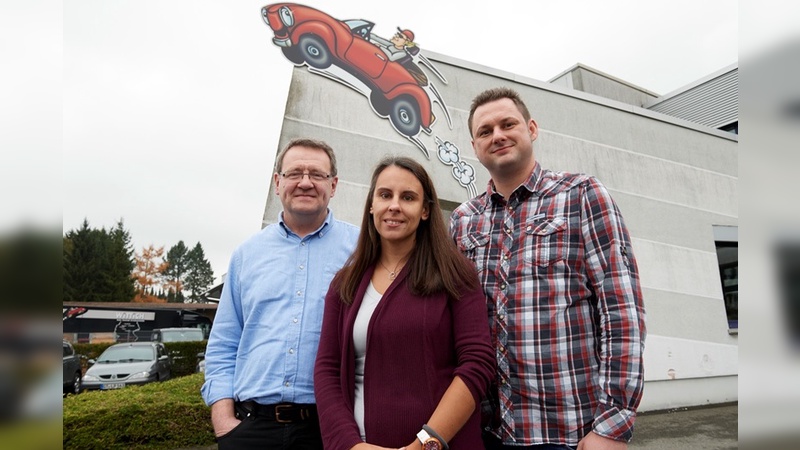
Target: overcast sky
172, 109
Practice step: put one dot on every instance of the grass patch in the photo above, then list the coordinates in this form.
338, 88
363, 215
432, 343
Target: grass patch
31, 434
168, 416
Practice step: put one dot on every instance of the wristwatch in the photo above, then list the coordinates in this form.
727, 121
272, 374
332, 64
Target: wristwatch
428, 442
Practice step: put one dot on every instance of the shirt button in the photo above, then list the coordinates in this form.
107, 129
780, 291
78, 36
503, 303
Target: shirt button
302, 267
302, 244
299, 293
505, 257
286, 384
503, 287
501, 316
294, 320
291, 351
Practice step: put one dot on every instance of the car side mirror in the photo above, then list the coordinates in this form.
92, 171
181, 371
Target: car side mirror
91, 362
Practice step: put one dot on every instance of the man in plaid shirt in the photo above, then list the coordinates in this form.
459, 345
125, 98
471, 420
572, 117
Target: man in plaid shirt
565, 306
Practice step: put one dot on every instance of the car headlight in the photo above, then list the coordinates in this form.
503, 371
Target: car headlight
286, 16
88, 377
139, 375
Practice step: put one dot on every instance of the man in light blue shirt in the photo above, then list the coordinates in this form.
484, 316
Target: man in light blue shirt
261, 351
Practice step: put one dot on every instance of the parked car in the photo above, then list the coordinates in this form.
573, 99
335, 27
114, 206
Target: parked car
177, 335
307, 35
201, 363
72, 369
128, 364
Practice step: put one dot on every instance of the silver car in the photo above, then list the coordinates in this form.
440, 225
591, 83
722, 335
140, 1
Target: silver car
128, 364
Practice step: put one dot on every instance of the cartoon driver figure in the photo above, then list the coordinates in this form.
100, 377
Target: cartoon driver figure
402, 50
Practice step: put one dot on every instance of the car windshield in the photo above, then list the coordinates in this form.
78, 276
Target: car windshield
181, 335
127, 354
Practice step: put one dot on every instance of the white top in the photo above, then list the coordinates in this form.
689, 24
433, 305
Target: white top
360, 327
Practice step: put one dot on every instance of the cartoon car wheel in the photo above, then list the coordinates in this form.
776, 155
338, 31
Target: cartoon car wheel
293, 54
379, 104
314, 51
405, 116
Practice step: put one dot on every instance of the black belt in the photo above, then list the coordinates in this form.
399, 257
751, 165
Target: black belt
282, 412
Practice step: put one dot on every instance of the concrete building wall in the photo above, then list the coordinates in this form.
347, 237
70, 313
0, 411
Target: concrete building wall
673, 181
592, 81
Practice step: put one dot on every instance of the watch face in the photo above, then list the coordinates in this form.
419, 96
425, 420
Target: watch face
431, 444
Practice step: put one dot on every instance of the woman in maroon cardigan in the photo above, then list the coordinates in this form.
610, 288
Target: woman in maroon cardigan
405, 355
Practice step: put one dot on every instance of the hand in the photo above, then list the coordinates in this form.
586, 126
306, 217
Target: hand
594, 441
223, 426
223, 418
414, 445
365, 446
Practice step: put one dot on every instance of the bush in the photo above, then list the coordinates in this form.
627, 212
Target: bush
167, 415
184, 356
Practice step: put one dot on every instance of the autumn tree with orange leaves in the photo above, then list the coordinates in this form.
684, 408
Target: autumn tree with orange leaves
148, 274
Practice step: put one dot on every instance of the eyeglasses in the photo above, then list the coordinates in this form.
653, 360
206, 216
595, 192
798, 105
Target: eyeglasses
297, 175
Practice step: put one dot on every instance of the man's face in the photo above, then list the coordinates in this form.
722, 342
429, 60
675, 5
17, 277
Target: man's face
306, 197
502, 139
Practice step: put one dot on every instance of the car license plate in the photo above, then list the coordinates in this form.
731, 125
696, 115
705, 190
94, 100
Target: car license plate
113, 386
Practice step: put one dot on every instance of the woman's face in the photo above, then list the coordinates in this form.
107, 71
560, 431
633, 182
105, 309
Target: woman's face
398, 205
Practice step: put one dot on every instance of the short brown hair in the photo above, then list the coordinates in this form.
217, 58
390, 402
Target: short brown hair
306, 142
495, 94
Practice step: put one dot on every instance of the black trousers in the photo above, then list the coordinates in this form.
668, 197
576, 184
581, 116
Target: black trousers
259, 432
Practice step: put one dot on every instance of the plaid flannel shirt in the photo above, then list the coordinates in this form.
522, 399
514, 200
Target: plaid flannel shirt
557, 252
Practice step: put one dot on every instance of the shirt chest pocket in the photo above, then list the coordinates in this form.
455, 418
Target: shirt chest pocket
475, 247
546, 241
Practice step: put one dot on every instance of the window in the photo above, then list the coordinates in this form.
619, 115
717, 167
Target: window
727, 242
732, 127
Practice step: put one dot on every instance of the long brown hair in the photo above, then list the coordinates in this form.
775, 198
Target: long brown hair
435, 264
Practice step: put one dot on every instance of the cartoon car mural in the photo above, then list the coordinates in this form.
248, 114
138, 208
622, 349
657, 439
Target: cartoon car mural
312, 37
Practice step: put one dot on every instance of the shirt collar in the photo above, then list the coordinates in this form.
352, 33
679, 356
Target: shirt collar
523, 191
320, 232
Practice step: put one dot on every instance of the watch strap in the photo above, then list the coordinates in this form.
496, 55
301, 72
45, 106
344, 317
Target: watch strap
423, 436
432, 433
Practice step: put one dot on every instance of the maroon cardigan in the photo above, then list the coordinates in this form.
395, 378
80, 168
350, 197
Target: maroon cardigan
415, 346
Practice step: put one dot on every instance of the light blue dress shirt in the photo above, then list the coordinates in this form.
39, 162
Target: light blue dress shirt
264, 339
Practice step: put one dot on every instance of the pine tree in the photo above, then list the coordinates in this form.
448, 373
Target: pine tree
121, 264
175, 273
97, 264
200, 275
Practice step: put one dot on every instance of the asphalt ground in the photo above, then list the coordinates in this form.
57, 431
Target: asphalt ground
701, 428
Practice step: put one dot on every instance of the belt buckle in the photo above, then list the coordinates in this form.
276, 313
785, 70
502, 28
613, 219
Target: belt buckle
278, 409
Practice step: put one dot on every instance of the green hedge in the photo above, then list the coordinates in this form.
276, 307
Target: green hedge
168, 415
184, 355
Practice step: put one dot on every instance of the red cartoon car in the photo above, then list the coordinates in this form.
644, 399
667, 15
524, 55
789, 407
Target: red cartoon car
306, 35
